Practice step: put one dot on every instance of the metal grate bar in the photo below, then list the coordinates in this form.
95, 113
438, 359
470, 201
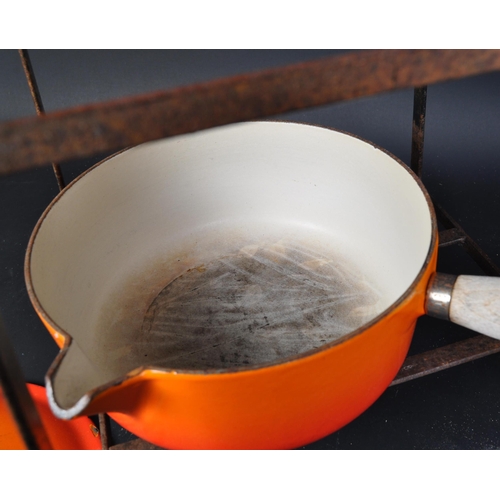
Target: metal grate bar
37, 99
470, 246
446, 357
417, 137
98, 128
22, 407
104, 431
451, 237
136, 444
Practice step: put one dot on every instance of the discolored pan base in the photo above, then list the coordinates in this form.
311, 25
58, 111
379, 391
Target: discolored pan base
256, 306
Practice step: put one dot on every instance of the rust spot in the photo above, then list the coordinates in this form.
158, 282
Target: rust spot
94, 430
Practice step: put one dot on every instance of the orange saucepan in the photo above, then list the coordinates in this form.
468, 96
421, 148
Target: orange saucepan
250, 286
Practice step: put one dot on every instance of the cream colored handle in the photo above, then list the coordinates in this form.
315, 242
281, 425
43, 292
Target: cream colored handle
475, 304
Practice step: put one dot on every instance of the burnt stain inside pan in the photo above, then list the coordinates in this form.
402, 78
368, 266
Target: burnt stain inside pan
256, 306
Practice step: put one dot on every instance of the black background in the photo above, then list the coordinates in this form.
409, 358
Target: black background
454, 409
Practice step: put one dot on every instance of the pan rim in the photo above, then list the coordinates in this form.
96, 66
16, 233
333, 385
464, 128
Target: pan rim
67, 339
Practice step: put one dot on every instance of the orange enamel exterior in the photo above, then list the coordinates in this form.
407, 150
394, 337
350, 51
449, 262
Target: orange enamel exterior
281, 406
10, 435
73, 435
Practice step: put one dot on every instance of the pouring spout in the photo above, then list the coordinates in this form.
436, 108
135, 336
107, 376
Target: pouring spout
77, 386
63, 413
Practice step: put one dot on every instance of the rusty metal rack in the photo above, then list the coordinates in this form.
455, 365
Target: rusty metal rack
98, 128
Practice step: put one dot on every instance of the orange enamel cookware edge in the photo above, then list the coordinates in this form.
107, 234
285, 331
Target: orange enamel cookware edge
284, 404
281, 406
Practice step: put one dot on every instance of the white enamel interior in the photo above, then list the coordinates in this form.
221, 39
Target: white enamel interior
119, 234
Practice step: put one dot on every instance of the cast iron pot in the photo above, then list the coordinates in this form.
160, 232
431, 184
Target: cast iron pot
251, 286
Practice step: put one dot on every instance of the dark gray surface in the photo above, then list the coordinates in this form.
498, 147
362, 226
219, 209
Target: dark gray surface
455, 409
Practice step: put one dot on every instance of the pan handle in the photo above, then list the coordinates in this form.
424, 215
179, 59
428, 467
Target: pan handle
470, 301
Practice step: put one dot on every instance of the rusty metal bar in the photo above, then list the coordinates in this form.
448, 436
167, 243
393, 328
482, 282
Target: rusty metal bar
37, 100
30, 78
446, 357
98, 128
417, 137
104, 431
470, 246
451, 236
136, 444
20, 403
